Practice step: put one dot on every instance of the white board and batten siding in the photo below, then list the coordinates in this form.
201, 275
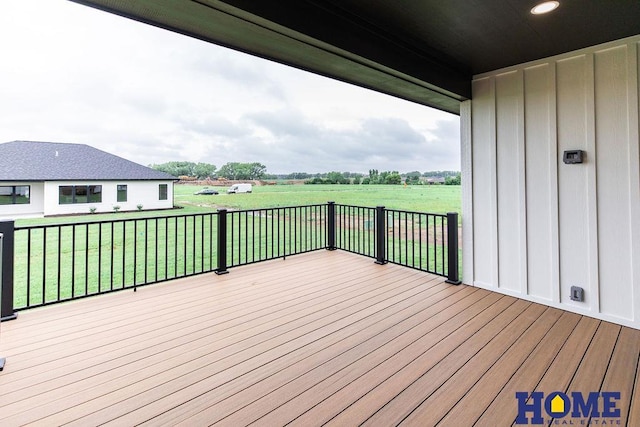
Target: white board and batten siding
541, 226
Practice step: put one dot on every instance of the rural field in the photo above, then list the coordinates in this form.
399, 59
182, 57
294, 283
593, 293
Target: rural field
420, 198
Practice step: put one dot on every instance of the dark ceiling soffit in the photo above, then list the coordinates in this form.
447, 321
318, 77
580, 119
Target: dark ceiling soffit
257, 37
325, 22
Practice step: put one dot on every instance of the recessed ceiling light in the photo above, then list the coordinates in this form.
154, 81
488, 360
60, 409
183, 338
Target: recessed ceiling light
545, 7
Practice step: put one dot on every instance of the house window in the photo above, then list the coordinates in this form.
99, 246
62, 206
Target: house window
15, 195
122, 193
70, 194
162, 192
95, 193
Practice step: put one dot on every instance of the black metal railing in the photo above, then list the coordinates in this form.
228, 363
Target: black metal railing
68, 261
263, 234
356, 229
46, 264
424, 241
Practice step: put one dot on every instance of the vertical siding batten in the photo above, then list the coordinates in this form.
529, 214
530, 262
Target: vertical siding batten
572, 179
634, 163
613, 181
485, 237
509, 162
554, 155
539, 161
592, 187
522, 185
466, 151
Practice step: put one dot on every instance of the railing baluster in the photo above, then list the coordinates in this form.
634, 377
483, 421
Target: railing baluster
73, 259
443, 241
86, 259
420, 239
155, 268
146, 248
111, 242
28, 268
135, 254
124, 254
99, 257
193, 248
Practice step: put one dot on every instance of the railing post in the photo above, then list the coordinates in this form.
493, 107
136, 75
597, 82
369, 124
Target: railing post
222, 242
2, 359
381, 235
331, 226
6, 297
452, 248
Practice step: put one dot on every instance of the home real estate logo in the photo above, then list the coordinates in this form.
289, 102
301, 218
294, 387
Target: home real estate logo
558, 408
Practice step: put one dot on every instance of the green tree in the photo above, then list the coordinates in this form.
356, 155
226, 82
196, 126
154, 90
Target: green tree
336, 178
412, 177
453, 180
204, 170
197, 170
374, 177
393, 178
240, 171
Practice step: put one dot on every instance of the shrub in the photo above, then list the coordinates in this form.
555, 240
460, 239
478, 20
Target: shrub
116, 208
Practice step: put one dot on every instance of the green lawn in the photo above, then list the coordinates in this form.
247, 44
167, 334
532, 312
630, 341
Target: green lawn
420, 198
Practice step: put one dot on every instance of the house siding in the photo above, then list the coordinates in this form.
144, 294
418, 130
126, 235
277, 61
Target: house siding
541, 226
138, 192
35, 207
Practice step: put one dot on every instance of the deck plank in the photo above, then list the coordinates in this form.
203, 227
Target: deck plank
215, 405
511, 348
525, 362
501, 410
324, 337
620, 375
401, 393
108, 388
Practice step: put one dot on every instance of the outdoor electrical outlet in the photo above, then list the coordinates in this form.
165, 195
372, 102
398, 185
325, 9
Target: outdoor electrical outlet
577, 293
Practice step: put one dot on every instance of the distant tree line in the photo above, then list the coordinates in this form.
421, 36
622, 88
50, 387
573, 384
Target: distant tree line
258, 171
235, 170
191, 169
453, 180
377, 177
231, 170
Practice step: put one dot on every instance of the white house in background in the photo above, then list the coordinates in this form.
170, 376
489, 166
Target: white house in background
47, 178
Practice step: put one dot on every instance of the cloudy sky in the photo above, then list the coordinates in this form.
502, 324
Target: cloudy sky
69, 73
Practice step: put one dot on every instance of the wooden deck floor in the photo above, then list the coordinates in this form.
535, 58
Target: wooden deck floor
325, 337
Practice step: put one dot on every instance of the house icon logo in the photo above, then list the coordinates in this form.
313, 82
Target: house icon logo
557, 405
538, 408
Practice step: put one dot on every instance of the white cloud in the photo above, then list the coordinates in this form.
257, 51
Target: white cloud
74, 74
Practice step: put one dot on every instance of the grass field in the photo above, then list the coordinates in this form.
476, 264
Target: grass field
419, 198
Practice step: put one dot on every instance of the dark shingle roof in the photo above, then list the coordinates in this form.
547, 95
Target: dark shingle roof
52, 161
